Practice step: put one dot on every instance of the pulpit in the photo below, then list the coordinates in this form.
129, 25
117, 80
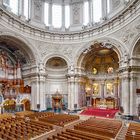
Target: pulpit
57, 102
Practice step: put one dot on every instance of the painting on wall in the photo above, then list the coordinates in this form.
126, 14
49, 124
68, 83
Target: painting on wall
109, 89
95, 88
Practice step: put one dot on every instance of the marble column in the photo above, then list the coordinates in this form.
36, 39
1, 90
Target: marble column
133, 110
71, 92
102, 90
34, 93
42, 93
76, 91
125, 95
119, 93
115, 91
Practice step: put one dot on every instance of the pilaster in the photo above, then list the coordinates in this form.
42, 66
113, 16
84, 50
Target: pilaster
102, 89
125, 94
133, 110
71, 91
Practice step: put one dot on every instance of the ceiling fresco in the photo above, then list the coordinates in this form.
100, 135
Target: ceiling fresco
13, 49
56, 62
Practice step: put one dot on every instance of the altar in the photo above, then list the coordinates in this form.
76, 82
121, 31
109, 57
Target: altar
105, 103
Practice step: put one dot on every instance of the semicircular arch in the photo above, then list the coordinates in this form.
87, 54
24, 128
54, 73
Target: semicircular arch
48, 57
118, 47
22, 44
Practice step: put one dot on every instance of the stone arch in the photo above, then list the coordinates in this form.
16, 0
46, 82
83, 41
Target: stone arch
116, 46
135, 45
26, 104
57, 55
22, 44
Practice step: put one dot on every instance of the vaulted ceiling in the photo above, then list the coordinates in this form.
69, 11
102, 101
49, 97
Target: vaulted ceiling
14, 49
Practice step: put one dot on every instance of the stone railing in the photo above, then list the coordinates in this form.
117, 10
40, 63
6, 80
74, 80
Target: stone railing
132, 10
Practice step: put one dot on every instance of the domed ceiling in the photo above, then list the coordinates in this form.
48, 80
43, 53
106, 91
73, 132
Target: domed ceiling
100, 58
13, 48
56, 62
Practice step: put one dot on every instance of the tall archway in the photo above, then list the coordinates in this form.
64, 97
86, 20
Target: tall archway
100, 63
135, 79
56, 69
15, 55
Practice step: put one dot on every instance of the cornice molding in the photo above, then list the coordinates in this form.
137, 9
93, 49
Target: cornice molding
107, 25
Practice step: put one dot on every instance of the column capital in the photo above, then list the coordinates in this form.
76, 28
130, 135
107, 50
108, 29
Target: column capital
125, 78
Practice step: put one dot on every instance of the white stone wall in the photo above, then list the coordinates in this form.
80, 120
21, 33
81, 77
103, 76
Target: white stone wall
70, 47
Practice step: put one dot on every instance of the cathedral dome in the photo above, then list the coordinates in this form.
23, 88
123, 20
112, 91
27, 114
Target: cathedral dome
66, 15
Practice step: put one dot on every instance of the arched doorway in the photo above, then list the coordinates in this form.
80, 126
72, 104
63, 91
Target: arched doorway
26, 104
100, 63
56, 68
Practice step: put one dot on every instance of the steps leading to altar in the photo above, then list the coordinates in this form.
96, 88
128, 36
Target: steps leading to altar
108, 113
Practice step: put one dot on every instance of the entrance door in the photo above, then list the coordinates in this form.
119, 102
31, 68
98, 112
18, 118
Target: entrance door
26, 104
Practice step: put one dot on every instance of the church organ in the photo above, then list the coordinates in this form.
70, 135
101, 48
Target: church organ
11, 82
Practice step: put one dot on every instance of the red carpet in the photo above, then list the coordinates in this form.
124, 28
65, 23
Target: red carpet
108, 113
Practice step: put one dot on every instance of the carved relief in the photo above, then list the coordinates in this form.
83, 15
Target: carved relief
115, 3
128, 35
76, 13
37, 9
58, 48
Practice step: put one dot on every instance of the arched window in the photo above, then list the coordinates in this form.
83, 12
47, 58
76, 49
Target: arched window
57, 16
86, 13
97, 10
